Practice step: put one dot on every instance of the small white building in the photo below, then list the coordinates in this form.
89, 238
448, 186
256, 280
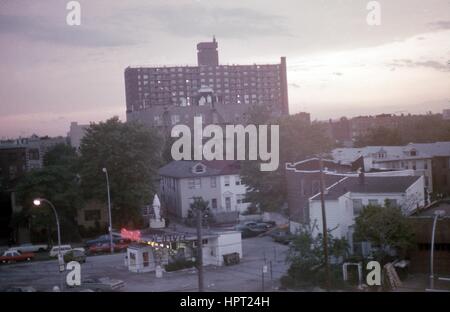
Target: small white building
345, 199
149, 253
143, 258
220, 244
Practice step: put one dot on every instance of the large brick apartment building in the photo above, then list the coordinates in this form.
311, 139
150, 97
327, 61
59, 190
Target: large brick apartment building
167, 95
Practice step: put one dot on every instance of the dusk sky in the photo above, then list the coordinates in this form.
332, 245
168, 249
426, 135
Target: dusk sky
52, 73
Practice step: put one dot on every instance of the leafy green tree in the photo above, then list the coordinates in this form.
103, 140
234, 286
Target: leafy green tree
131, 152
306, 258
385, 227
380, 136
298, 140
199, 204
57, 181
418, 129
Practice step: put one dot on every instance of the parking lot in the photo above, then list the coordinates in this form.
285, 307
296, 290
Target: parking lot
245, 276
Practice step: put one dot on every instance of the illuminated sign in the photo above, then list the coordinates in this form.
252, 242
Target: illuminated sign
131, 235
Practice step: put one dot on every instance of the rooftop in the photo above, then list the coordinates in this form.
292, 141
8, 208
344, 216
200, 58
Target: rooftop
185, 168
372, 184
422, 150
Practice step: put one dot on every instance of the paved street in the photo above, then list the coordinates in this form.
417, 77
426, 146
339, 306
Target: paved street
246, 276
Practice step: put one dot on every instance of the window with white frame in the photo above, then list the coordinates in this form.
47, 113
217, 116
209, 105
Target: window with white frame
227, 180
195, 183
213, 182
357, 207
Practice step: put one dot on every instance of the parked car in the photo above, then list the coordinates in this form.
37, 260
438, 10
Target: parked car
19, 289
102, 239
281, 236
251, 232
103, 284
64, 249
119, 245
75, 255
13, 255
29, 247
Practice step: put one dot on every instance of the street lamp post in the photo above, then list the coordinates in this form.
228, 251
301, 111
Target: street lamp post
437, 214
37, 202
109, 211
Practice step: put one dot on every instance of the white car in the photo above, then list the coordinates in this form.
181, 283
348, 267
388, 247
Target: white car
64, 249
28, 247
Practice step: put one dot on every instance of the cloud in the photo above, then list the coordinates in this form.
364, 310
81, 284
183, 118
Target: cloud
440, 25
199, 20
294, 85
337, 74
413, 64
48, 30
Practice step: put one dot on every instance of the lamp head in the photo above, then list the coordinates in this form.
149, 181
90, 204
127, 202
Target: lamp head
37, 202
439, 213
104, 170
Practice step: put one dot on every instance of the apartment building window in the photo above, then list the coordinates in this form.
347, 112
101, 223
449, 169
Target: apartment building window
33, 154
214, 203
238, 180
227, 180
357, 207
195, 183
373, 202
213, 182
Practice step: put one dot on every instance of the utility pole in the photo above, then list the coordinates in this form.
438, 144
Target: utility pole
199, 212
324, 226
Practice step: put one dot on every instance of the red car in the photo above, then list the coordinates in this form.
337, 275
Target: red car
15, 255
120, 245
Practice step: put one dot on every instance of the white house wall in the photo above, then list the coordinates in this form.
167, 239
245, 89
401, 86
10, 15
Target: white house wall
232, 191
225, 243
339, 213
178, 196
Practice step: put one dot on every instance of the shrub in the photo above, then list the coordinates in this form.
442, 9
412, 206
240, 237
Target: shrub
179, 265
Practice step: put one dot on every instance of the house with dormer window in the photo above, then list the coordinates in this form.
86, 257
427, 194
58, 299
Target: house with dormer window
217, 181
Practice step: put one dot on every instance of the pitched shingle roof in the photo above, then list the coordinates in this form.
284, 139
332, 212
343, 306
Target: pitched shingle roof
183, 168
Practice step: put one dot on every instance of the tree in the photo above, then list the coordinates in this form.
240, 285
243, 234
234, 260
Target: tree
307, 260
299, 140
131, 153
385, 227
199, 204
57, 181
418, 129
380, 136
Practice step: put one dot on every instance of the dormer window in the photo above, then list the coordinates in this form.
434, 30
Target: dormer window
199, 168
413, 152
